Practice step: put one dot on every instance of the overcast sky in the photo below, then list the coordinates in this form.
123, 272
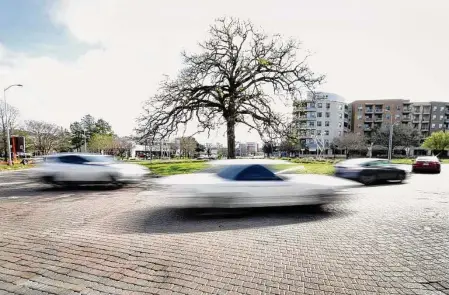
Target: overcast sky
105, 57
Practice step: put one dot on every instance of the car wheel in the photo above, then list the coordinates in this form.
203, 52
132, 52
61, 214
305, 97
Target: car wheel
368, 179
115, 182
401, 177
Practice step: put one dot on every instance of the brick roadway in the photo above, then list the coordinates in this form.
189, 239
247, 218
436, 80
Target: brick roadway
383, 240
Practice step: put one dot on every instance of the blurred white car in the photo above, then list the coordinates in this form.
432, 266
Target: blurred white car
75, 168
250, 183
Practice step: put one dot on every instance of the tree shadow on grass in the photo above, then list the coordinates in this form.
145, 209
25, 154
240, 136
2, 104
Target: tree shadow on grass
170, 220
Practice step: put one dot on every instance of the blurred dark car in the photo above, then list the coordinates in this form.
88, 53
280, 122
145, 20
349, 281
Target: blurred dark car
427, 164
370, 171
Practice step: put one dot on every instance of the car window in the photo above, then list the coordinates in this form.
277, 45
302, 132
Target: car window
257, 173
377, 163
72, 159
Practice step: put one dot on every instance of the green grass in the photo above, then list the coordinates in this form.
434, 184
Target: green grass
4, 167
311, 166
172, 168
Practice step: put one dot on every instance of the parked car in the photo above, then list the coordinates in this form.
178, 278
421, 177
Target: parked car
426, 164
370, 170
80, 169
250, 183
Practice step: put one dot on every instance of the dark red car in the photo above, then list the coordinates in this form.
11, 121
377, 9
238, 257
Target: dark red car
427, 164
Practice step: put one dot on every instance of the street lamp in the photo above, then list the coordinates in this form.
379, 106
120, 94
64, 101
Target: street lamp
8, 144
390, 139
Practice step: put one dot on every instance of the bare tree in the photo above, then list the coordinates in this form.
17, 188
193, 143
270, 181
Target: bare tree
350, 142
8, 117
188, 146
45, 137
240, 73
122, 146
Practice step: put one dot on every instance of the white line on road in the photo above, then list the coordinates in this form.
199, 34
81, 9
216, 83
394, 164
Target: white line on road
14, 183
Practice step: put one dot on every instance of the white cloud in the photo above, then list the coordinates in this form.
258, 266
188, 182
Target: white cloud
378, 49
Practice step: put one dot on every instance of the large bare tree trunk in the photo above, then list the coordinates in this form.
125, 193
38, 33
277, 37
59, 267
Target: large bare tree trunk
231, 137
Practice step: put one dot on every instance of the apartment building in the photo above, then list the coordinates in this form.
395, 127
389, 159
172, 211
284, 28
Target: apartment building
320, 118
369, 114
427, 117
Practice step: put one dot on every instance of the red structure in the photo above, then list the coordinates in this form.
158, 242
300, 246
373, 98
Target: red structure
17, 145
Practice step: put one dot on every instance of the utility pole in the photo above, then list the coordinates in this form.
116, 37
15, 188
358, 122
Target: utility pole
85, 141
8, 136
390, 140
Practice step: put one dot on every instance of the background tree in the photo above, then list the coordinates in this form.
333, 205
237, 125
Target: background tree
188, 146
437, 141
10, 114
268, 148
103, 127
44, 136
101, 143
350, 142
86, 128
403, 136
235, 79
122, 146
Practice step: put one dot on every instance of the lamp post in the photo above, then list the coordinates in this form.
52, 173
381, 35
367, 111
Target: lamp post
390, 139
8, 136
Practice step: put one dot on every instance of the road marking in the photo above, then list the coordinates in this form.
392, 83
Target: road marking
14, 183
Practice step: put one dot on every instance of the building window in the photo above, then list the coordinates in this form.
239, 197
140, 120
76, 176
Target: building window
320, 105
340, 115
339, 125
359, 126
319, 114
440, 126
433, 126
318, 123
434, 108
340, 107
441, 117
387, 116
326, 132
312, 132
326, 123
397, 116
328, 105
387, 108
311, 124
398, 108
441, 109
328, 114
359, 117
434, 117
318, 132
339, 133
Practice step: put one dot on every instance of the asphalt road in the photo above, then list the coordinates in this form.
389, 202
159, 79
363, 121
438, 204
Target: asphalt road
387, 239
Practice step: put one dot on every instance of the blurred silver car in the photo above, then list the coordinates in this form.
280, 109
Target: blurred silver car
249, 183
79, 169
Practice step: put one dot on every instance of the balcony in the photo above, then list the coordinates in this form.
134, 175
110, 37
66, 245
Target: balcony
346, 120
406, 110
368, 111
426, 111
425, 120
406, 118
378, 119
377, 111
417, 111
368, 119
425, 127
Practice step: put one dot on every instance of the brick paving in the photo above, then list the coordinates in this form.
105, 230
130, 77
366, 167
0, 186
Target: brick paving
382, 240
